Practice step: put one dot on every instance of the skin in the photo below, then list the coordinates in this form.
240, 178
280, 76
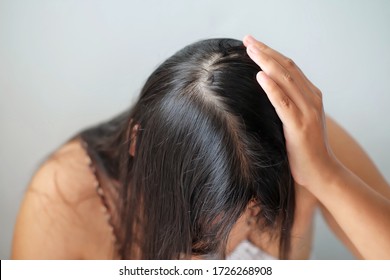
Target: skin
341, 193
61, 215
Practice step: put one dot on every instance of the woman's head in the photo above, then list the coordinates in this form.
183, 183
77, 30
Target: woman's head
209, 143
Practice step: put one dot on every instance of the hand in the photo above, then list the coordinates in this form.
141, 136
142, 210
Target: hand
298, 104
342, 193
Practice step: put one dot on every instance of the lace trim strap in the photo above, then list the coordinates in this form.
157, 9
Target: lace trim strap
106, 209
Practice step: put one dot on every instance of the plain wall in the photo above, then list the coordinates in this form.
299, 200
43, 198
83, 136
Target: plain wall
68, 64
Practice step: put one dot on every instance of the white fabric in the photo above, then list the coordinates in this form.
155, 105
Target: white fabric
247, 251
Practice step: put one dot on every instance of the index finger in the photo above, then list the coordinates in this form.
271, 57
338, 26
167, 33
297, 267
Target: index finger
286, 62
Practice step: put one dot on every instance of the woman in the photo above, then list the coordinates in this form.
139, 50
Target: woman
198, 166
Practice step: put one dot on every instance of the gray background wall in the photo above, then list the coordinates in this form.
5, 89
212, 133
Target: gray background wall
68, 64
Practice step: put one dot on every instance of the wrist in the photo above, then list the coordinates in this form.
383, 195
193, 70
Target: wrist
328, 175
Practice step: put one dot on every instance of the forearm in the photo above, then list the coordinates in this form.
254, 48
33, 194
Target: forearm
361, 212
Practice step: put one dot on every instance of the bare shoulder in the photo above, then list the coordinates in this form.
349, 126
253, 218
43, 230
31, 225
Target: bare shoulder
58, 217
72, 178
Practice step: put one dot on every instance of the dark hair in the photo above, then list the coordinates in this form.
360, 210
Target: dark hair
209, 142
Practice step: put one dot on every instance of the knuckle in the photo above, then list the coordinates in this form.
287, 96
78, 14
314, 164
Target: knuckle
287, 77
266, 58
289, 62
285, 102
261, 46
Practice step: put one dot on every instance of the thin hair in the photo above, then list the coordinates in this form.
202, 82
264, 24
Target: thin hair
209, 143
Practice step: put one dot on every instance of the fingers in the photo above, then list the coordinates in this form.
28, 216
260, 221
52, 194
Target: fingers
280, 75
284, 106
280, 58
284, 61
